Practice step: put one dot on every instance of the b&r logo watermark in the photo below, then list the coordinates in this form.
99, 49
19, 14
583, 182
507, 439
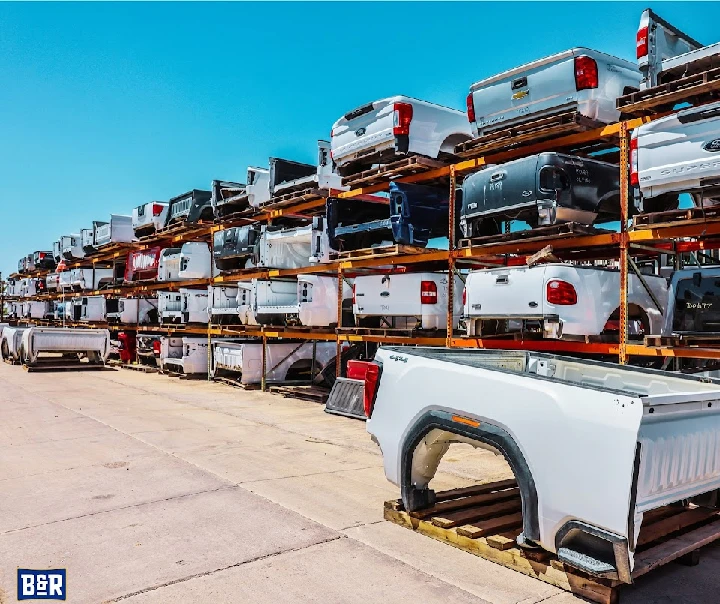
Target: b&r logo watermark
41, 584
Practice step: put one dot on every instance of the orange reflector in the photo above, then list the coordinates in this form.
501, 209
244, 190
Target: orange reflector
466, 421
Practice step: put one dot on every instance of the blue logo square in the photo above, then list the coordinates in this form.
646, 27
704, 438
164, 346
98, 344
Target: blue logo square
41, 584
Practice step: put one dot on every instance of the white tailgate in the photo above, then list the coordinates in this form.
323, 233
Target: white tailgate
672, 152
376, 127
517, 291
550, 84
270, 292
387, 295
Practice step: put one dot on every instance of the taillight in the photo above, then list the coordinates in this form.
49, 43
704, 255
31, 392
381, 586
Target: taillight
634, 177
561, 293
156, 346
464, 297
641, 43
157, 209
402, 116
372, 381
586, 73
428, 292
353, 290
470, 108
42, 255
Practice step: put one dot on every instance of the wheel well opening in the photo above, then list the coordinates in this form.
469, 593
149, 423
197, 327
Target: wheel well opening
452, 141
638, 322
429, 441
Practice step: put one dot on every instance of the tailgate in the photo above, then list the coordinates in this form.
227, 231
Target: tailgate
503, 292
363, 129
271, 292
537, 88
681, 147
697, 305
385, 295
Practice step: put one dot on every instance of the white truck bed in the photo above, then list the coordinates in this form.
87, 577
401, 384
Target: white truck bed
95, 343
592, 445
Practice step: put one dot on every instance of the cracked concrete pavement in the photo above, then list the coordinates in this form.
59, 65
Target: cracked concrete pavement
151, 489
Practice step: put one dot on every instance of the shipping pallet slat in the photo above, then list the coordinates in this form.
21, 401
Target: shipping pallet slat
542, 233
379, 252
533, 131
404, 167
314, 394
699, 85
485, 520
294, 197
672, 218
235, 383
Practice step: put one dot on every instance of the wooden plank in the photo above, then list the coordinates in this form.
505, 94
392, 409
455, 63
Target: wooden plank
403, 167
477, 514
501, 542
512, 557
476, 489
675, 548
456, 504
532, 131
688, 89
671, 524
488, 527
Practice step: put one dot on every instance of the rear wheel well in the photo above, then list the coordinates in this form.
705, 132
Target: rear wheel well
635, 312
439, 425
452, 141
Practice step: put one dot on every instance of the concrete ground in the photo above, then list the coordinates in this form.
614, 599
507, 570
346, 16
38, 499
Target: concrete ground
153, 489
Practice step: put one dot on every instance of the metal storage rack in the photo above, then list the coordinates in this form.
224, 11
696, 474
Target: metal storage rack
644, 239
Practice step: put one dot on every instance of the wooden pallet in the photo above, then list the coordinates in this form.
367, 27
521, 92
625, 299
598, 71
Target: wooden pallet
533, 131
379, 252
404, 167
315, 394
294, 197
684, 340
699, 84
235, 383
183, 376
139, 367
485, 520
551, 232
70, 366
392, 332
676, 217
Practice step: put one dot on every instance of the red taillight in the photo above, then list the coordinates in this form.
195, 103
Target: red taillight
561, 293
464, 297
641, 43
156, 346
353, 290
42, 255
470, 107
356, 370
428, 292
586, 73
634, 177
402, 116
372, 381
157, 209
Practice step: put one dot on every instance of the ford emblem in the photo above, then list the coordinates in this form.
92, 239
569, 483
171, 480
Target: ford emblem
713, 146
361, 131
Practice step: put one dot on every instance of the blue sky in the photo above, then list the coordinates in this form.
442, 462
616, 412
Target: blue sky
106, 106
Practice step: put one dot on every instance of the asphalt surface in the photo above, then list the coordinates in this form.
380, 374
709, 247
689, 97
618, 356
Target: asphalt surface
153, 489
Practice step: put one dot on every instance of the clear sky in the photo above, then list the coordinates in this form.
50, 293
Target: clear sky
106, 106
